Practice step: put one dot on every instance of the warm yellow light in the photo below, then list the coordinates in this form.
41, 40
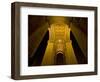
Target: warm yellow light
59, 41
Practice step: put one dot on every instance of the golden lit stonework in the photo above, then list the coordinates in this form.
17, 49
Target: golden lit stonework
59, 45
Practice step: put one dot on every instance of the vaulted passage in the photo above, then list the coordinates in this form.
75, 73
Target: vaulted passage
56, 40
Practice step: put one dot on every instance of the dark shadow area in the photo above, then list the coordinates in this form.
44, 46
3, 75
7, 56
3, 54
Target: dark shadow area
78, 53
60, 59
36, 60
35, 22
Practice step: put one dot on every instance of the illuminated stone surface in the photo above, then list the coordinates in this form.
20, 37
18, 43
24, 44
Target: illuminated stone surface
59, 42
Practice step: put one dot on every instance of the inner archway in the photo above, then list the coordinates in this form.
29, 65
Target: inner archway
60, 59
